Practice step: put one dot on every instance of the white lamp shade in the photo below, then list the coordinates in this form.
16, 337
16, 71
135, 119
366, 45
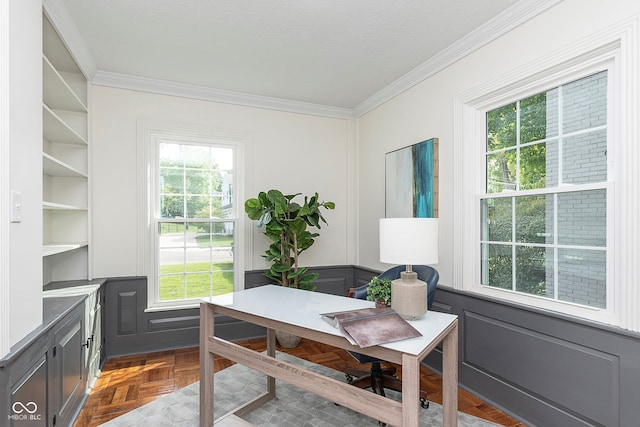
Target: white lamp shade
409, 241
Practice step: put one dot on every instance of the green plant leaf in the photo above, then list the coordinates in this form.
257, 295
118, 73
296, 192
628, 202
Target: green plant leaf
298, 226
280, 268
309, 278
253, 208
313, 220
301, 271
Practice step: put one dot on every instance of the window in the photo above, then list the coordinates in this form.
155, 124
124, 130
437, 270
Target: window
544, 214
546, 184
196, 221
191, 240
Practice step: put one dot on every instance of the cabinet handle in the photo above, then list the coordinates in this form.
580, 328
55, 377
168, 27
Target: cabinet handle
90, 338
86, 344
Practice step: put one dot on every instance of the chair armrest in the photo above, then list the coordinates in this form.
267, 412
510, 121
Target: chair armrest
360, 292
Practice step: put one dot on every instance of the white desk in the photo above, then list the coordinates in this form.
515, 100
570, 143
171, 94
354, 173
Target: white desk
298, 312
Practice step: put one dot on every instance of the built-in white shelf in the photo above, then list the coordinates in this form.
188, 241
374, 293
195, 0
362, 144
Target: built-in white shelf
60, 206
65, 162
54, 167
58, 248
58, 95
56, 130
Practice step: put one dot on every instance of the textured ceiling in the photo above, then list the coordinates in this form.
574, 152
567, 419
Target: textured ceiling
329, 52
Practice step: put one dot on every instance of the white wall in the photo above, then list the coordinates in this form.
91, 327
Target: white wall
23, 305
426, 111
291, 152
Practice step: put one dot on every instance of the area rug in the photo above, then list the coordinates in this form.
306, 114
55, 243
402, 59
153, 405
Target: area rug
292, 407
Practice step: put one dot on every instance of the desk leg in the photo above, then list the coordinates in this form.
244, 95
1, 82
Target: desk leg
410, 390
271, 351
450, 378
206, 365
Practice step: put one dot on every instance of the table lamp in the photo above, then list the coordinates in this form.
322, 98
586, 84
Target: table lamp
409, 241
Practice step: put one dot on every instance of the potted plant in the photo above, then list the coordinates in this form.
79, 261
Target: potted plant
379, 290
286, 223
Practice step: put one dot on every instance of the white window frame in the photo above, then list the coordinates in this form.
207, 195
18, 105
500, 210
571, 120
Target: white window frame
150, 135
614, 50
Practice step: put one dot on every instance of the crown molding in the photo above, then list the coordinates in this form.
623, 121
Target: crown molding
164, 87
511, 18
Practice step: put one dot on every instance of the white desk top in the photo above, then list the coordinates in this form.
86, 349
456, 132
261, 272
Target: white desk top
303, 308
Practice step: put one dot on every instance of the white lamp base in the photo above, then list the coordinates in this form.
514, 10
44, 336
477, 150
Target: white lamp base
409, 296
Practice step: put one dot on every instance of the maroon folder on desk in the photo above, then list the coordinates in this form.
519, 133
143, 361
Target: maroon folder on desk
367, 327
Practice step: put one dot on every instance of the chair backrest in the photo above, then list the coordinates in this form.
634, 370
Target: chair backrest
425, 273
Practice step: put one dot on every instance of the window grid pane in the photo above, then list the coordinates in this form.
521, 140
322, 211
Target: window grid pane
531, 265
501, 129
585, 158
582, 277
532, 225
497, 266
582, 218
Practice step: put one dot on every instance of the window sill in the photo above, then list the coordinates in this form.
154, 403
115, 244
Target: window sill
159, 308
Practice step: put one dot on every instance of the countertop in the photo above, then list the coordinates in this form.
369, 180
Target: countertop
58, 300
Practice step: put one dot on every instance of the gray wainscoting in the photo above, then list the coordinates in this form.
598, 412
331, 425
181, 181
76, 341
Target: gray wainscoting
130, 329
543, 368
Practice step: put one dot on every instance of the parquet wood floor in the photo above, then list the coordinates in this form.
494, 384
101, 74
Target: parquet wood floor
126, 383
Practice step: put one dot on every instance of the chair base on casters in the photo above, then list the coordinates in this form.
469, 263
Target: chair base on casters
378, 379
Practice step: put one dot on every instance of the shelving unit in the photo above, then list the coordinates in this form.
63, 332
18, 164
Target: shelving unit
65, 166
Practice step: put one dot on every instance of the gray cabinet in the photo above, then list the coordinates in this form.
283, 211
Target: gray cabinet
28, 395
69, 369
46, 378
44, 382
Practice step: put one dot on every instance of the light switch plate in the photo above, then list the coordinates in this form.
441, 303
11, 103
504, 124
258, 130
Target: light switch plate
16, 206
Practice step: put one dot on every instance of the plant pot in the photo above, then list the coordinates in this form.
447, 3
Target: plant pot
380, 303
287, 340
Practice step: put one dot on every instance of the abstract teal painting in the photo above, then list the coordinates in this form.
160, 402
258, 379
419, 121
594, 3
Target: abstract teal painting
411, 181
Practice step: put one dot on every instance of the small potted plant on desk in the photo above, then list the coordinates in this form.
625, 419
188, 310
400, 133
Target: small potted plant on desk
379, 290
287, 223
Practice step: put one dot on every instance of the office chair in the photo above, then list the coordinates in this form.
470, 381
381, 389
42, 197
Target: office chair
378, 378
